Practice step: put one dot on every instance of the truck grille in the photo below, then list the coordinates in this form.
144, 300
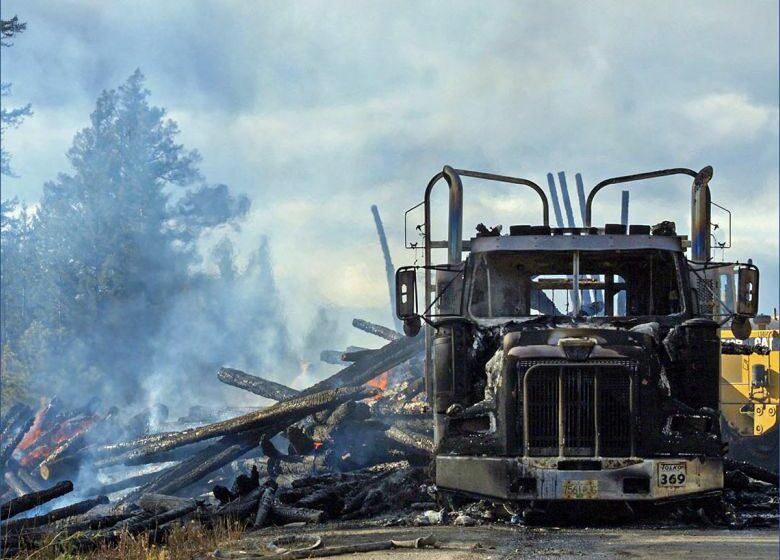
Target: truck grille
576, 409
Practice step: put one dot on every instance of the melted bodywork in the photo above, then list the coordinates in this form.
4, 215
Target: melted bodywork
575, 363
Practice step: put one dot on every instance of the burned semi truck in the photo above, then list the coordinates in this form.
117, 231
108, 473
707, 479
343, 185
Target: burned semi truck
575, 363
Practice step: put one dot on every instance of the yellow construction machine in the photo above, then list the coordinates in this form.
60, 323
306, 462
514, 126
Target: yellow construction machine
750, 392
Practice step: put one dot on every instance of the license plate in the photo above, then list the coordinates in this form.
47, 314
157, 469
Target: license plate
580, 489
672, 475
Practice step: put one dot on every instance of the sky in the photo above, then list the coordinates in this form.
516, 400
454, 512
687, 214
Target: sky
317, 110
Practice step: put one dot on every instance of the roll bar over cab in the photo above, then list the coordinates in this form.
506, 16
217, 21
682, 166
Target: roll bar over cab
575, 363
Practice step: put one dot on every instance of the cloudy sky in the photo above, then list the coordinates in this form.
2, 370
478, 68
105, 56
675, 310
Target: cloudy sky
316, 110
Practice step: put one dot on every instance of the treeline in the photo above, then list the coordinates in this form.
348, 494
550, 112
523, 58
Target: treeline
101, 285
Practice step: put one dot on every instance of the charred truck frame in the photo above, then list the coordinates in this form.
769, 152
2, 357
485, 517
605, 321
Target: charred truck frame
543, 384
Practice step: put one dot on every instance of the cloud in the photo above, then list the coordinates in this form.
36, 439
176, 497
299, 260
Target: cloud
731, 117
316, 110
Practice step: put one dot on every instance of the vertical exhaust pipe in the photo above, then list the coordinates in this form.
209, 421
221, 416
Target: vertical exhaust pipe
455, 226
701, 241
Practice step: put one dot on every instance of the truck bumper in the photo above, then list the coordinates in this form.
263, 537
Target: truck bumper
548, 478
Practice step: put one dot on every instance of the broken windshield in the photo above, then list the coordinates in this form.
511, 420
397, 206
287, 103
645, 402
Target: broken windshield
595, 283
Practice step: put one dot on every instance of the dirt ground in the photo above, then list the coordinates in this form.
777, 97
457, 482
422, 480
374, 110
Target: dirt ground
493, 542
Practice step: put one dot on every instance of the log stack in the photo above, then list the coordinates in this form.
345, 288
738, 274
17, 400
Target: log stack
334, 427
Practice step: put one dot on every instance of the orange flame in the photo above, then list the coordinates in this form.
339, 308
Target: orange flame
381, 381
36, 430
317, 445
58, 436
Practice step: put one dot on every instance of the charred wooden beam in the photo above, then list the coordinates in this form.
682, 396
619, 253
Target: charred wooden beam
408, 438
29, 501
264, 507
256, 385
213, 457
753, 471
349, 410
160, 503
295, 465
14, 433
300, 443
377, 330
243, 508
54, 515
35, 538
356, 356
285, 412
133, 526
286, 514
328, 499
332, 357
132, 457
59, 456
385, 358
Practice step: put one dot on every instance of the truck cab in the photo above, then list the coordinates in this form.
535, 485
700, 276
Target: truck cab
575, 363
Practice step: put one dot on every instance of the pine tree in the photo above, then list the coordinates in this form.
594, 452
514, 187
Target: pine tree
9, 118
115, 249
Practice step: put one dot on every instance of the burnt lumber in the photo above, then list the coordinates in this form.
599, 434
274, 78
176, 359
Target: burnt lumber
377, 330
285, 412
300, 443
191, 471
215, 456
14, 433
332, 357
156, 504
356, 356
256, 385
383, 359
288, 514
54, 515
59, 456
29, 501
133, 526
133, 457
328, 499
242, 508
264, 507
408, 438
753, 471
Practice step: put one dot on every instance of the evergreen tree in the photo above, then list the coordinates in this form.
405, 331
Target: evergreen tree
9, 118
115, 248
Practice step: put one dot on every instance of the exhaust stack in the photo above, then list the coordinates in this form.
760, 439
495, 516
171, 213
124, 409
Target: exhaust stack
701, 241
455, 226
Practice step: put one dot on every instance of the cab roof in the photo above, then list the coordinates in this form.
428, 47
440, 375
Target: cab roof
579, 241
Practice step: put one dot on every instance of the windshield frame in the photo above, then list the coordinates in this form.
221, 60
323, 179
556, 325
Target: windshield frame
475, 258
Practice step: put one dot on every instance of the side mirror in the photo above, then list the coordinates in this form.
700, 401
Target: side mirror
747, 291
406, 293
406, 300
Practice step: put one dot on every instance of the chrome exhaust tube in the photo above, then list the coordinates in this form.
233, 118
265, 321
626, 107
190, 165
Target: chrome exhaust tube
701, 237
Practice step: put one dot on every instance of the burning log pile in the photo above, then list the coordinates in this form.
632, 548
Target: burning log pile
353, 446
347, 447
